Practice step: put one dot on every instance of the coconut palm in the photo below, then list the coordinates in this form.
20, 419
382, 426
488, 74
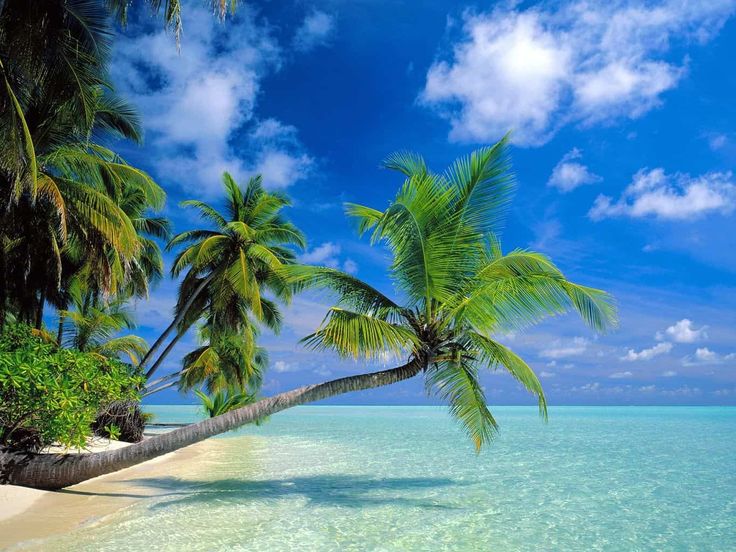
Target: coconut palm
458, 291
231, 265
94, 326
227, 357
63, 194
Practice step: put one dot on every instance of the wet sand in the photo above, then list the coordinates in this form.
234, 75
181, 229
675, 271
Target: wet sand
29, 515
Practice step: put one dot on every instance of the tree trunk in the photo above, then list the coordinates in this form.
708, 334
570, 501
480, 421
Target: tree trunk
165, 353
60, 330
174, 324
55, 471
39, 309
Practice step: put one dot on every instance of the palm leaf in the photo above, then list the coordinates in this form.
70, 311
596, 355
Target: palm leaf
356, 335
457, 383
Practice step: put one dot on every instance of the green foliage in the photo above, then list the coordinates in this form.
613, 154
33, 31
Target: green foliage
55, 394
112, 431
74, 211
233, 283
225, 400
460, 289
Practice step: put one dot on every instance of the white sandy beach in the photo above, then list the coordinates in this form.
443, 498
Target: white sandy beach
27, 515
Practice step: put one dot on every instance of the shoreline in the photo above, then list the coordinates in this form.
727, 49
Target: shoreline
29, 516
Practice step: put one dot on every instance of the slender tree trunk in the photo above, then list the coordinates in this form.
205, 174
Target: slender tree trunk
55, 471
39, 309
165, 353
60, 331
174, 324
151, 391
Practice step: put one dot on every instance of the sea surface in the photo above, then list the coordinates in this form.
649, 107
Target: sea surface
336, 478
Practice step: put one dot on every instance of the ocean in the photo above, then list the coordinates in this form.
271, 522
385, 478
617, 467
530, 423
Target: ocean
343, 478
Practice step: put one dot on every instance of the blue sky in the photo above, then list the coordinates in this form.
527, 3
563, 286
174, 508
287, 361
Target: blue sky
624, 127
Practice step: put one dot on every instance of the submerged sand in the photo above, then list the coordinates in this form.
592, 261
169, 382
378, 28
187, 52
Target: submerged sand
29, 515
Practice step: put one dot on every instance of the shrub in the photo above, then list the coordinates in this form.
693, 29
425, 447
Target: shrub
49, 394
125, 416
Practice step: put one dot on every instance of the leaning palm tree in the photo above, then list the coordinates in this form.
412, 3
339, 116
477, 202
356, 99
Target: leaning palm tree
230, 265
459, 292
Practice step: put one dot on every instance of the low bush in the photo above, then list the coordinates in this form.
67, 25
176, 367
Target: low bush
48, 394
121, 420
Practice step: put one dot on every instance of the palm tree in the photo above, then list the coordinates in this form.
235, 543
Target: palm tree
458, 289
93, 327
227, 357
63, 194
231, 266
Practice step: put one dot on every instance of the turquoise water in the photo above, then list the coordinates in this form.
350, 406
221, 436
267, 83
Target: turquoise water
405, 478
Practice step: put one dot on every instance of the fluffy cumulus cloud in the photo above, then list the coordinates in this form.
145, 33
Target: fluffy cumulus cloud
537, 69
569, 173
653, 193
198, 104
647, 354
328, 254
315, 30
683, 332
703, 355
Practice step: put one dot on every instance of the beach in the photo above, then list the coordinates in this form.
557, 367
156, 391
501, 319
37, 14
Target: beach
27, 516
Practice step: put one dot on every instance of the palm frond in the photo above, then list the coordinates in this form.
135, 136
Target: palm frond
494, 354
356, 335
457, 383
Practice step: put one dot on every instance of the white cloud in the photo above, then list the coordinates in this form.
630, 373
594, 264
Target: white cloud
569, 174
282, 367
647, 354
328, 254
566, 348
620, 375
545, 374
315, 31
703, 355
280, 168
195, 102
538, 69
717, 141
671, 197
683, 332
669, 374
322, 255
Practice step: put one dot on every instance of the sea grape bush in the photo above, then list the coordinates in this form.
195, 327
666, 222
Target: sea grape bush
52, 395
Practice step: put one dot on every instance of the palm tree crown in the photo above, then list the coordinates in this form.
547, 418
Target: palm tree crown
459, 289
233, 268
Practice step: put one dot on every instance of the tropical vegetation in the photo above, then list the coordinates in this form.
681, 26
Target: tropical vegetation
80, 235
459, 292
52, 395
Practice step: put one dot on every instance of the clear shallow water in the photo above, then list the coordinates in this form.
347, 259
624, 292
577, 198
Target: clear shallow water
405, 478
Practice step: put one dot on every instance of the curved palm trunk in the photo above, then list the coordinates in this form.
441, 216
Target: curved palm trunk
55, 471
174, 324
164, 354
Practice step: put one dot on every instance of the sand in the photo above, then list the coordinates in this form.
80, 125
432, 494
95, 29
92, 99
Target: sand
28, 515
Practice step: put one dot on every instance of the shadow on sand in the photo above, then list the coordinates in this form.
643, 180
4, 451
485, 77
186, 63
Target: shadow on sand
327, 490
